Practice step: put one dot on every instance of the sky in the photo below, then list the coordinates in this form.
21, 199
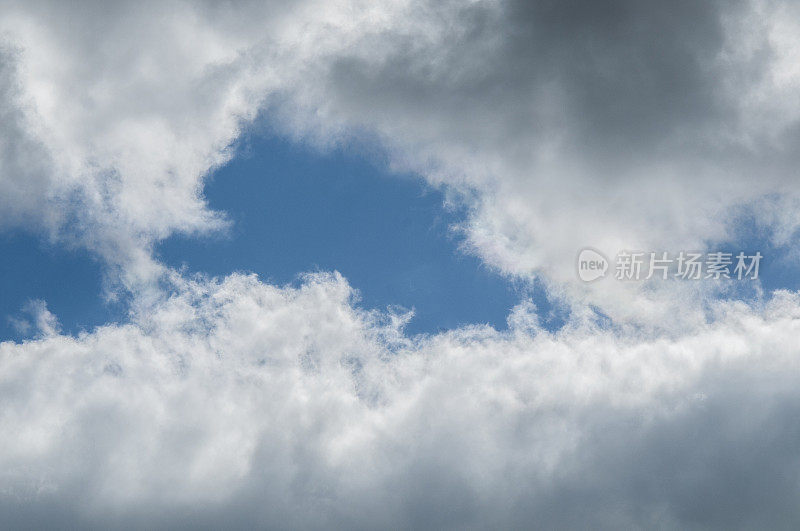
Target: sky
316, 264
293, 210
69, 280
296, 210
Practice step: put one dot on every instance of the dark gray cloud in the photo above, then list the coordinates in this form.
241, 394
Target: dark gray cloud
623, 76
24, 161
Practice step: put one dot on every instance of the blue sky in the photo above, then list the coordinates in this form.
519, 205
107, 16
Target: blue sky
295, 209
69, 280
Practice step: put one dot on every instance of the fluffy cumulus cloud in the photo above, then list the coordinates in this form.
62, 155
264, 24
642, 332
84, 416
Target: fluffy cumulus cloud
237, 402
624, 124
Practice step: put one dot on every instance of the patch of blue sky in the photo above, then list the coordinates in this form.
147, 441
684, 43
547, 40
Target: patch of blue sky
778, 265
295, 209
70, 281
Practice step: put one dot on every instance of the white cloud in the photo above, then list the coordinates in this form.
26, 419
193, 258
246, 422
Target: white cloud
236, 401
45, 323
618, 128
567, 126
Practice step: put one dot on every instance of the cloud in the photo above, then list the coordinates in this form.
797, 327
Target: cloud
24, 165
240, 402
130, 107
561, 125
628, 125
45, 323
632, 125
